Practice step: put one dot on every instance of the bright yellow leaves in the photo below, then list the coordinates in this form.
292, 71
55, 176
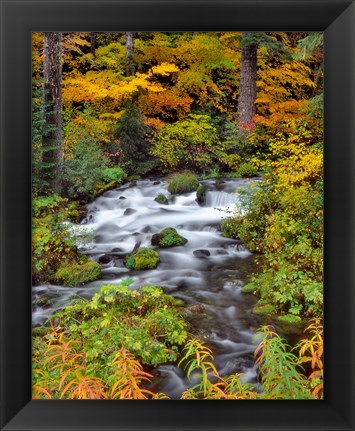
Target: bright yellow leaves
95, 85
282, 92
86, 124
294, 161
163, 69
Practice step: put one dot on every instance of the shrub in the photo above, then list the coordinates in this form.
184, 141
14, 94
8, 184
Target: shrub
146, 322
184, 182
52, 239
76, 275
279, 371
168, 238
246, 170
115, 173
189, 144
83, 170
111, 177
284, 220
230, 226
144, 258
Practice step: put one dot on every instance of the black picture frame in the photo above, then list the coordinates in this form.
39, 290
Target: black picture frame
20, 18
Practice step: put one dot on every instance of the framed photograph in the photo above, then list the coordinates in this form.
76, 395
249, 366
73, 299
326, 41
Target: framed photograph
166, 163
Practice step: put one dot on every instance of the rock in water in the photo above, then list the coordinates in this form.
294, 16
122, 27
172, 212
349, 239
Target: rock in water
168, 238
161, 199
201, 253
143, 258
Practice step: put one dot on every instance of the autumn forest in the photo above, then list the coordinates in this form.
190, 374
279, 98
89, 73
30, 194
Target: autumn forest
177, 215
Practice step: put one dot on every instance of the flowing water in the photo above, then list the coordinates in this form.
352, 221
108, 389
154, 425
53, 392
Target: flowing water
207, 273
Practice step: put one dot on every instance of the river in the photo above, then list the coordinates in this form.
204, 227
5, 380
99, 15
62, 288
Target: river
208, 272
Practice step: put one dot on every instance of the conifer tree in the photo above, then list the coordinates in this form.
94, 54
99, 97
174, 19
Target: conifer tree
52, 110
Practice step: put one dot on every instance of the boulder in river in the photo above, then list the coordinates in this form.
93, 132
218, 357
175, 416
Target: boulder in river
168, 238
161, 199
129, 211
143, 258
197, 308
201, 253
201, 194
105, 259
146, 229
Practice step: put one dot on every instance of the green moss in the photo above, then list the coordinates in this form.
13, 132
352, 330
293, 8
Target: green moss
144, 258
263, 310
101, 188
76, 275
249, 288
168, 238
130, 262
184, 182
42, 302
161, 199
133, 177
290, 318
200, 194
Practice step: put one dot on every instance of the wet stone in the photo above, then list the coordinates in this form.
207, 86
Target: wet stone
129, 211
221, 252
106, 258
198, 308
201, 253
215, 288
146, 229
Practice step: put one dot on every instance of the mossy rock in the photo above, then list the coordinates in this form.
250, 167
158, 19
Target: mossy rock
264, 310
249, 288
168, 238
134, 178
101, 188
43, 302
143, 258
290, 318
161, 199
184, 182
201, 194
76, 275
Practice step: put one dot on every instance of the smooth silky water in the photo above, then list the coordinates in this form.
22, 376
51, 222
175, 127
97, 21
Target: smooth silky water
211, 278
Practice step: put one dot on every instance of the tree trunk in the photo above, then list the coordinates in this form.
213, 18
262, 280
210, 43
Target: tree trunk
247, 85
129, 53
93, 43
52, 109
